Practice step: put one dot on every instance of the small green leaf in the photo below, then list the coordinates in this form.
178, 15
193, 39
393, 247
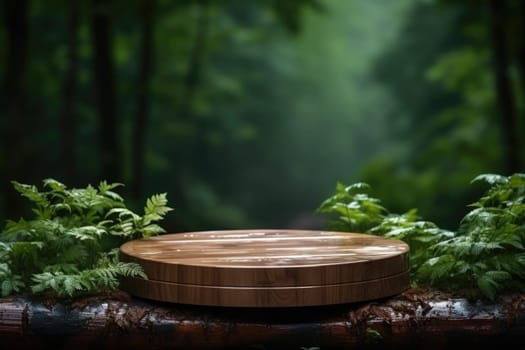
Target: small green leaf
490, 178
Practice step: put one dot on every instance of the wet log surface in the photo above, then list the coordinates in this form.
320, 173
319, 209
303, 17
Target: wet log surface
417, 318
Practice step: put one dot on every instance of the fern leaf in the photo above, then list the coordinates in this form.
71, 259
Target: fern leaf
42, 281
72, 284
122, 213
104, 187
126, 229
58, 282
54, 185
31, 192
86, 232
11, 285
10, 282
62, 268
114, 196
26, 249
498, 276
152, 230
478, 248
356, 187
488, 287
156, 207
492, 281
437, 268
131, 270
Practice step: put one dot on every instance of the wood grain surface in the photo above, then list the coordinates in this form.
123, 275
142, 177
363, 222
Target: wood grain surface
264, 268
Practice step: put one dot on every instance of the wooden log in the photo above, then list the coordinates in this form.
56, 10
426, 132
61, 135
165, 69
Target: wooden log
414, 319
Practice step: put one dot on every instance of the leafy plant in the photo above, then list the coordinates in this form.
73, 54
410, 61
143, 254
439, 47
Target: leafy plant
71, 245
354, 210
485, 256
373, 336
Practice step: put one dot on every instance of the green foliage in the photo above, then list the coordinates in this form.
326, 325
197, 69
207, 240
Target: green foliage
71, 244
444, 112
485, 256
354, 210
373, 336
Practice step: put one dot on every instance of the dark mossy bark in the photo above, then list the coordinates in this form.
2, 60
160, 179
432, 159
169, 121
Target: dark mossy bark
414, 319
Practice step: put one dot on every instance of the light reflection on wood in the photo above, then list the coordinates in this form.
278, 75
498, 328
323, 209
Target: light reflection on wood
255, 259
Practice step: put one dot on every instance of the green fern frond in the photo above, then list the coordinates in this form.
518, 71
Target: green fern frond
491, 179
152, 230
491, 282
105, 190
11, 284
107, 277
86, 232
75, 253
437, 268
67, 248
54, 185
130, 270
72, 284
488, 287
479, 248
26, 248
32, 193
498, 276
485, 256
66, 268
351, 209
122, 213
510, 262
59, 283
156, 208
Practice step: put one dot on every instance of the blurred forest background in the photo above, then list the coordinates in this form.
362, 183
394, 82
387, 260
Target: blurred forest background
247, 113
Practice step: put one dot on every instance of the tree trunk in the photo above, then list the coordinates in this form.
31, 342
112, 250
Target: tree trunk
190, 150
506, 104
147, 8
412, 320
192, 77
104, 73
68, 122
521, 60
15, 126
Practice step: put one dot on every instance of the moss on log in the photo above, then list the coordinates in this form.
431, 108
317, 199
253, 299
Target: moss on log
417, 318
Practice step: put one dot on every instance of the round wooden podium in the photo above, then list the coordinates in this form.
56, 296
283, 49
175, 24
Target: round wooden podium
267, 268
